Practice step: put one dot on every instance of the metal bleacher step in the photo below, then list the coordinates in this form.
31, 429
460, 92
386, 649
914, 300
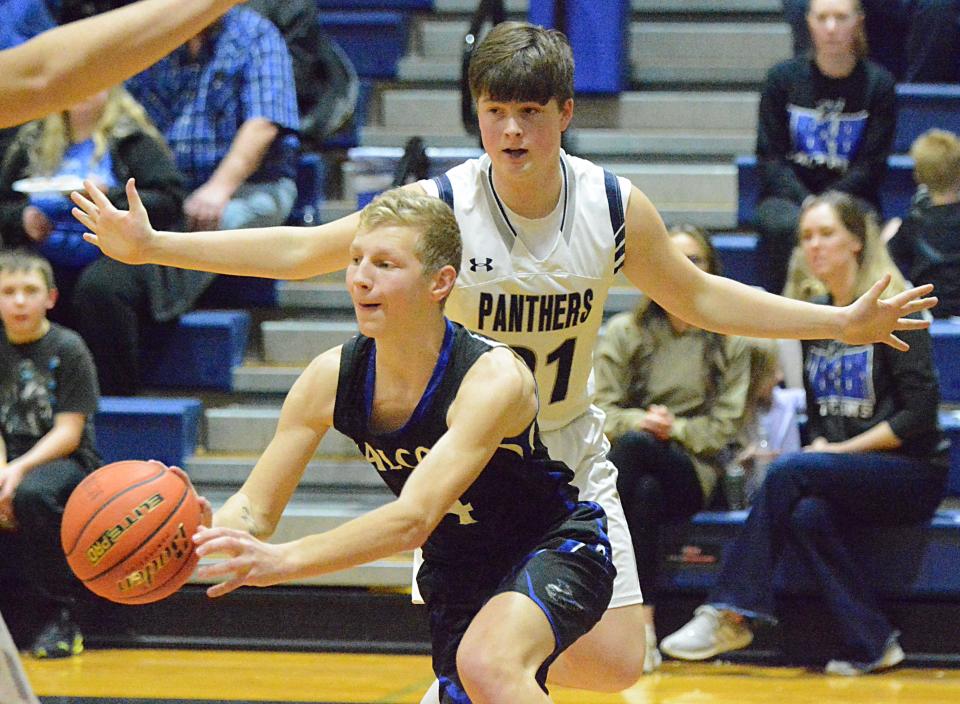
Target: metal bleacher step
248, 428
308, 513
221, 471
328, 295
636, 122
658, 6
703, 194
660, 52
295, 340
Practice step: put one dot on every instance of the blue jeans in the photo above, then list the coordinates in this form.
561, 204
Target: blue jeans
260, 205
807, 501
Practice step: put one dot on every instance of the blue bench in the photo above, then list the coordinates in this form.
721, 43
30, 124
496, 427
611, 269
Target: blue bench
901, 562
946, 357
895, 193
165, 429
922, 106
202, 352
738, 256
950, 422
374, 40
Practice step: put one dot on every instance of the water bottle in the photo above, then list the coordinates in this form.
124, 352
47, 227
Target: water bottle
761, 461
734, 486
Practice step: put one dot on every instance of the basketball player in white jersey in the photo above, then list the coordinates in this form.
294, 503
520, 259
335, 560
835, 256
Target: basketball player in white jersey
64, 65
544, 233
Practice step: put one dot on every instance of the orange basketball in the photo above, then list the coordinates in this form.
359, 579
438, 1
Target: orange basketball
127, 531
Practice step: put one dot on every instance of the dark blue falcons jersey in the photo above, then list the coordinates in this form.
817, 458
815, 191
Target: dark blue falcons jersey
515, 500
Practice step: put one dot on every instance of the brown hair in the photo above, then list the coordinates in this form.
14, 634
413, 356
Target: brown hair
936, 158
22, 260
873, 260
518, 61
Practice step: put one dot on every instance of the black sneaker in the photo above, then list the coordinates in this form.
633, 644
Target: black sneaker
59, 639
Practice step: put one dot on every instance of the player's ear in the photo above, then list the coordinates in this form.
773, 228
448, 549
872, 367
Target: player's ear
566, 114
443, 282
52, 296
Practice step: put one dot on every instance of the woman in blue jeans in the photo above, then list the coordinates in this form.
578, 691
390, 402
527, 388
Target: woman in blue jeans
877, 458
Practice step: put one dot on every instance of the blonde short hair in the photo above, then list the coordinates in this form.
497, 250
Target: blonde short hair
438, 244
936, 159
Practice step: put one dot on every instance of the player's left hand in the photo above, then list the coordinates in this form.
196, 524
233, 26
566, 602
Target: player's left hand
870, 319
248, 561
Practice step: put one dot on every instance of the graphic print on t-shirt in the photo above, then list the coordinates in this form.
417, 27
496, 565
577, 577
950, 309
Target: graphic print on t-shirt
26, 408
825, 135
841, 378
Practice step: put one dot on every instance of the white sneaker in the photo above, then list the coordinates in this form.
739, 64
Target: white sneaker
892, 655
709, 633
652, 659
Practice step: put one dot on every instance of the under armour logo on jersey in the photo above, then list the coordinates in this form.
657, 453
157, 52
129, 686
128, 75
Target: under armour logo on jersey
486, 264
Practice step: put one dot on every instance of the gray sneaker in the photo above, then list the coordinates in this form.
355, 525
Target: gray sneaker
709, 633
892, 655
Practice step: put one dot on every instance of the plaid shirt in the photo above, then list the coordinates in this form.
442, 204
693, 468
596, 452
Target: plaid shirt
243, 71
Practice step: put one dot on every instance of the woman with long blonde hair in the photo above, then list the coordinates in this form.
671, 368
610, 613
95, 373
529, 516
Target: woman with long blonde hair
876, 457
107, 139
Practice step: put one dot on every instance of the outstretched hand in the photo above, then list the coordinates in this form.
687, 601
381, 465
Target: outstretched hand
247, 560
870, 319
120, 234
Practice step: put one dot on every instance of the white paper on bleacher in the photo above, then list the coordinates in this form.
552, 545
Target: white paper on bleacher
14, 688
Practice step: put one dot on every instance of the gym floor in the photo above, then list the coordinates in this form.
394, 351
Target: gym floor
233, 677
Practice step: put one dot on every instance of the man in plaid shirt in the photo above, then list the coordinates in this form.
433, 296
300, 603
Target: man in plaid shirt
226, 102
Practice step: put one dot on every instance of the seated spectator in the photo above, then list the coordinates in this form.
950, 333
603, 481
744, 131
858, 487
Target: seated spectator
673, 396
927, 244
826, 121
771, 423
107, 139
916, 40
877, 458
226, 104
48, 396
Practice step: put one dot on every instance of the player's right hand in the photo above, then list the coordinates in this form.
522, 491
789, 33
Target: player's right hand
123, 235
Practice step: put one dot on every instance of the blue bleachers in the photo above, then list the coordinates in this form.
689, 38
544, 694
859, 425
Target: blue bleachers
738, 256
921, 106
901, 562
946, 357
202, 352
950, 422
374, 40
164, 429
895, 193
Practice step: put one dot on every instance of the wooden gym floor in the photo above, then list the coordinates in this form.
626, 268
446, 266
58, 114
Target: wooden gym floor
222, 677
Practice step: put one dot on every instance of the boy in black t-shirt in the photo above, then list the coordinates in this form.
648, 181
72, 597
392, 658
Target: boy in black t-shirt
927, 245
48, 393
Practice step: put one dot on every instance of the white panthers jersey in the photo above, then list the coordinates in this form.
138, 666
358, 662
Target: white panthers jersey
549, 310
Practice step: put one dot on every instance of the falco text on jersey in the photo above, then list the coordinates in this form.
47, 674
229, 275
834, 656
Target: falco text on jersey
525, 313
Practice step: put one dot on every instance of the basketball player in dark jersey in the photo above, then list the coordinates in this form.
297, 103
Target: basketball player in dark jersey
448, 418
67, 64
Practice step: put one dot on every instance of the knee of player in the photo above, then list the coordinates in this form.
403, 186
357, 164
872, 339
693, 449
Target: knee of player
624, 671
487, 674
